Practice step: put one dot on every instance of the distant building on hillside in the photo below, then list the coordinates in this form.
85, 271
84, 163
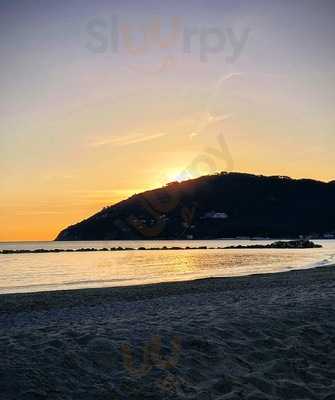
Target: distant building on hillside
214, 215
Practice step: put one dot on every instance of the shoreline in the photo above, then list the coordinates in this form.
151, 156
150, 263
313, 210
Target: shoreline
54, 298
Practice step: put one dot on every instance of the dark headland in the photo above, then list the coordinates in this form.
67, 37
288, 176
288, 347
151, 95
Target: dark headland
216, 206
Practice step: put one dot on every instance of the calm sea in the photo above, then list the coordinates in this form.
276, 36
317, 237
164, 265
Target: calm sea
59, 271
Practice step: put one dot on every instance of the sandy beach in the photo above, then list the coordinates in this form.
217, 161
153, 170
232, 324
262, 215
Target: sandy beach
258, 337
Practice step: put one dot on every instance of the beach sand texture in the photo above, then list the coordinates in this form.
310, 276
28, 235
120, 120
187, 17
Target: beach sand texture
258, 337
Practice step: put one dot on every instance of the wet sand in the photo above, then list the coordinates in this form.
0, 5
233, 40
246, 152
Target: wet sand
258, 337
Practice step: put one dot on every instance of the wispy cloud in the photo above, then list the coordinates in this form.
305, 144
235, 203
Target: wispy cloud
127, 139
210, 117
207, 120
230, 76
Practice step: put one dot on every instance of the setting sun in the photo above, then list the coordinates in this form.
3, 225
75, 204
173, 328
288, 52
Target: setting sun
175, 175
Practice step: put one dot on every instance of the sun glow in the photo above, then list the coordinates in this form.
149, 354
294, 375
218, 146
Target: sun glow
175, 175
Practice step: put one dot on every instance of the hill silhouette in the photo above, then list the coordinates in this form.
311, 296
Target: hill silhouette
215, 206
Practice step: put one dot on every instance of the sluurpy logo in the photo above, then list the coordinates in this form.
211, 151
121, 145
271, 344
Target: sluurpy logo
165, 40
170, 383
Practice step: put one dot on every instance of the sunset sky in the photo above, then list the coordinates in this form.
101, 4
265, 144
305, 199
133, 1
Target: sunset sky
103, 99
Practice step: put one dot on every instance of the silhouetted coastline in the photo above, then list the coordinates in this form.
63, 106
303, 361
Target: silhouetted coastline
224, 205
